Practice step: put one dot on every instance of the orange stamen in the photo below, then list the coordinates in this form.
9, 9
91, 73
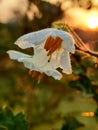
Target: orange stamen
55, 45
41, 76
34, 74
49, 42
30, 72
37, 75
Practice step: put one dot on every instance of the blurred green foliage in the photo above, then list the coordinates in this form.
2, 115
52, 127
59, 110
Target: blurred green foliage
86, 81
9, 121
71, 124
96, 114
51, 104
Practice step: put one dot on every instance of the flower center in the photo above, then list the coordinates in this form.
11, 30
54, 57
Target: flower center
52, 44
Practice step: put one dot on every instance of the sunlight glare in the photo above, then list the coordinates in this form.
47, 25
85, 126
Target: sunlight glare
93, 22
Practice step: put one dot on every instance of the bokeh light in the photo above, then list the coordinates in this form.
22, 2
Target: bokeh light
93, 22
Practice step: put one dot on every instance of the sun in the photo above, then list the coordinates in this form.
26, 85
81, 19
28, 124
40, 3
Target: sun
93, 22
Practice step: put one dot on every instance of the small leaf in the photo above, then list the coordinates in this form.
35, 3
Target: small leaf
71, 123
8, 121
20, 122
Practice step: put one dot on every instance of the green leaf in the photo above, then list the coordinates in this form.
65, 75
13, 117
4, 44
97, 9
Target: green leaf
20, 122
84, 84
71, 123
9, 121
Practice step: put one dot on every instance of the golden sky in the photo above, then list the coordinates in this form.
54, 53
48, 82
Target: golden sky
77, 17
81, 17
8, 6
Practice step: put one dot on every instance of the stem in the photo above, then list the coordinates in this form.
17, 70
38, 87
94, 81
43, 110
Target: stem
80, 45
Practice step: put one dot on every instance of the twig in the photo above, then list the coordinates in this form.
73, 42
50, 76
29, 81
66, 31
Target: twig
80, 45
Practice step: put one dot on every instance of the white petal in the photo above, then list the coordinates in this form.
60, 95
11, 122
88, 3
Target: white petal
24, 44
40, 58
21, 57
55, 59
28, 63
65, 63
15, 55
54, 73
68, 44
68, 41
34, 38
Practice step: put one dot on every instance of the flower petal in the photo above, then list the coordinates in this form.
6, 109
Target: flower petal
54, 73
68, 45
21, 57
65, 62
55, 59
33, 39
29, 64
36, 38
68, 41
40, 58
15, 55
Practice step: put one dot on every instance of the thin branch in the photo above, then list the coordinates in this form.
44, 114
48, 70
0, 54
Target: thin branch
80, 45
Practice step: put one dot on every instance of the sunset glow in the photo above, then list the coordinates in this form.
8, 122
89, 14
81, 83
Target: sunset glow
93, 22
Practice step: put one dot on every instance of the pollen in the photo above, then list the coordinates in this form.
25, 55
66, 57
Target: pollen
52, 44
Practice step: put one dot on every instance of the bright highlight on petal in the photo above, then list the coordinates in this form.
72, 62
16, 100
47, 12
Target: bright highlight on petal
51, 51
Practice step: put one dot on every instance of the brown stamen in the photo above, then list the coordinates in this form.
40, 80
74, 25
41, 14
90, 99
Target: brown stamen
35, 74
49, 43
55, 45
30, 72
41, 76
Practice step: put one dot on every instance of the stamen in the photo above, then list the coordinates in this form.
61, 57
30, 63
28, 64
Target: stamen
49, 43
34, 74
55, 45
41, 76
30, 72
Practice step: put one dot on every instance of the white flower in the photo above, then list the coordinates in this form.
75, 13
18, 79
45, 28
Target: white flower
51, 51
